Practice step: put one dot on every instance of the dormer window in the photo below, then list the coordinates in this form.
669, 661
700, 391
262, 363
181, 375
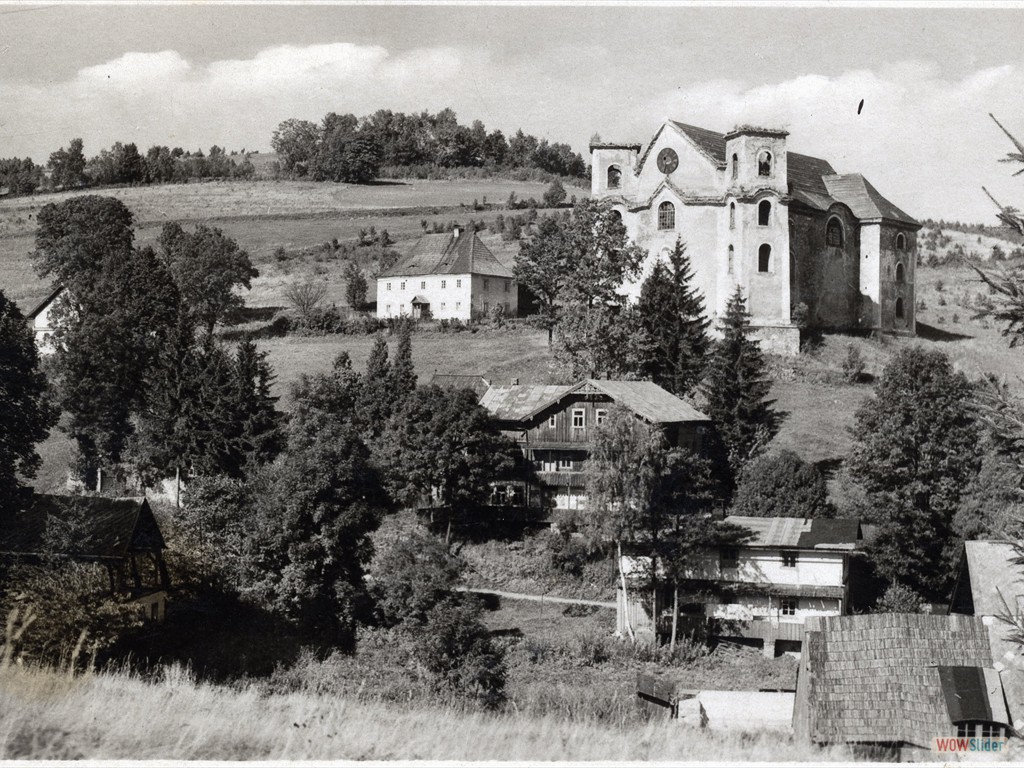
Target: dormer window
764, 213
735, 167
614, 177
834, 233
764, 163
666, 216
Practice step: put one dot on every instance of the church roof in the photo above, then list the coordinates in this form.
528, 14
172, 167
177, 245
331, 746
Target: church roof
812, 181
446, 254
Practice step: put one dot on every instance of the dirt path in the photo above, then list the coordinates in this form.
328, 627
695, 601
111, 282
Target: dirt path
536, 598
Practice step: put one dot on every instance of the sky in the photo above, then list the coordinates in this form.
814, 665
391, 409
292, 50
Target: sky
194, 75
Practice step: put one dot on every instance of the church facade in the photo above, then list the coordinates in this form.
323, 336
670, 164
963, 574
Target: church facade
795, 236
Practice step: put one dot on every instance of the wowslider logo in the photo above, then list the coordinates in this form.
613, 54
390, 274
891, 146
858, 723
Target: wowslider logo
970, 744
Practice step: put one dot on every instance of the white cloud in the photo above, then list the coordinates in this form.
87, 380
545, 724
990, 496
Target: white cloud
924, 141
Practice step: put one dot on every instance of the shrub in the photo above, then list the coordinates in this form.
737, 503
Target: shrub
853, 364
554, 195
899, 598
783, 485
415, 573
305, 296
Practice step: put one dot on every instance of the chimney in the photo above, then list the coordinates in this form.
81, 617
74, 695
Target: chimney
515, 382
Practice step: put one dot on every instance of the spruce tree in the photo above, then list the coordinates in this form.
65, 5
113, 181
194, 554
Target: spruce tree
736, 389
403, 374
260, 438
377, 397
674, 325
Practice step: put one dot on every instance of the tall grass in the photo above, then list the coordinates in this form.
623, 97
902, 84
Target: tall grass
117, 715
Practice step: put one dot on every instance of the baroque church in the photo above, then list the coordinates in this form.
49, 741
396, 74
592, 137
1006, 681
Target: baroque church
784, 227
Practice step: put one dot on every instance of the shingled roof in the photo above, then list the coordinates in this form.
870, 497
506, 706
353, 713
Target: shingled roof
446, 254
864, 200
800, 533
471, 381
112, 528
879, 678
523, 402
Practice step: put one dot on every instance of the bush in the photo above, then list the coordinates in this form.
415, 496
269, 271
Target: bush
853, 365
899, 598
555, 194
415, 573
781, 485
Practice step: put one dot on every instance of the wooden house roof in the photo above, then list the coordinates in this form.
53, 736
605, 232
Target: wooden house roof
448, 254
111, 528
990, 580
800, 533
475, 382
878, 678
524, 402
45, 302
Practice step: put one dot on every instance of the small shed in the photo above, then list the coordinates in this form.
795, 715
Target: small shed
120, 534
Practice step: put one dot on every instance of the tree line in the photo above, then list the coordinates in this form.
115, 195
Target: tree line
348, 148
121, 164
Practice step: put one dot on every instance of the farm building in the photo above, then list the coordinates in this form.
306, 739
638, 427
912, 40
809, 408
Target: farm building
763, 590
784, 227
43, 321
447, 276
891, 684
554, 424
121, 535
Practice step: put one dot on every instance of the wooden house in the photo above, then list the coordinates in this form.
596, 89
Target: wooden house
763, 590
43, 321
891, 684
554, 425
121, 535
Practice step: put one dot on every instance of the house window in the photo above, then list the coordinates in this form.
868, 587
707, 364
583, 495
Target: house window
387, 309
508, 285
487, 307
423, 285
764, 163
458, 283
666, 216
789, 559
487, 284
834, 233
402, 285
552, 421
735, 167
901, 242
401, 309
600, 415
732, 215
732, 254
508, 307
389, 286
564, 465
442, 305
787, 606
901, 273
444, 284
614, 177
458, 305
969, 729
579, 418
728, 557
899, 308
764, 258
764, 213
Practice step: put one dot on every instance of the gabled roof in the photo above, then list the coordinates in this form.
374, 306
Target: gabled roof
875, 677
444, 254
110, 528
856, 192
478, 384
708, 142
988, 577
800, 533
45, 302
524, 402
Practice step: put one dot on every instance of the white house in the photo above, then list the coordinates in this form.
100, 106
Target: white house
764, 589
452, 275
43, 322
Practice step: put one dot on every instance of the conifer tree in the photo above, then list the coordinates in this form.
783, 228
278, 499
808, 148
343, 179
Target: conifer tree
260, 438
736, 388
377, 397
674, 324
403, 374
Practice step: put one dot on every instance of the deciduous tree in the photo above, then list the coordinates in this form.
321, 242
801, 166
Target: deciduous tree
781, 485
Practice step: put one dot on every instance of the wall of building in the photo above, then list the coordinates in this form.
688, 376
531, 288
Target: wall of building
891, 289
621, 157
826, 278
43, 329
870, 275
813, 568
768, 607
488, 292
450, 296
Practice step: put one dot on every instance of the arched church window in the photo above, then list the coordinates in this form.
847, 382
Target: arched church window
614, 177
732, 215
666, 216
732, 254
764, 258
735, 167
764, 213
901, 242
616, 214
901, 273
764, 163
834, 232
899, 309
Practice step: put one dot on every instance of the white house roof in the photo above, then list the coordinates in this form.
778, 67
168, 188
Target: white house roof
800, 533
